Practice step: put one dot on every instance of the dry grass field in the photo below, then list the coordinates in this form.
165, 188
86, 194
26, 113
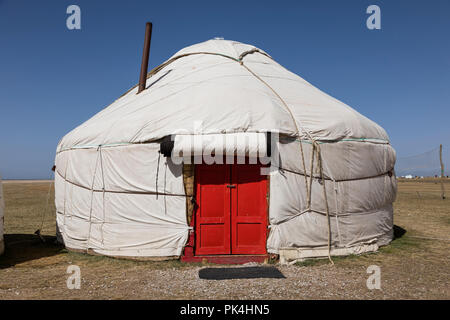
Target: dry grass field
415, 266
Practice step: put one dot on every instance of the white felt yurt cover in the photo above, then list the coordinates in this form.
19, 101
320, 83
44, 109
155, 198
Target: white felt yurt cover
117, 195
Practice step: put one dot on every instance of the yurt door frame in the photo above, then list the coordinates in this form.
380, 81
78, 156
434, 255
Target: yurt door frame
231, 215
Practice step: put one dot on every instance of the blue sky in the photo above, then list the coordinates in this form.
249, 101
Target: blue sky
53, 79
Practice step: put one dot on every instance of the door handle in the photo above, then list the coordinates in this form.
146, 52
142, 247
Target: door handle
231, 186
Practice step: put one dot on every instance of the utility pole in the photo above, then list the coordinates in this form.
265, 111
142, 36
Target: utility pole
442, 172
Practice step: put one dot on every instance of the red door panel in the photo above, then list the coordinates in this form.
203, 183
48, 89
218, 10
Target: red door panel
213, 214
248, 210
231, 215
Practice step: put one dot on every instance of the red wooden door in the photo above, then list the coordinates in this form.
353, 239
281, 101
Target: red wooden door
213, 214
232, 209
248, 210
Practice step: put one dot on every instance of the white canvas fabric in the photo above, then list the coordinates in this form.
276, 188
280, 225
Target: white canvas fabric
213, 147
117, 195
2, 207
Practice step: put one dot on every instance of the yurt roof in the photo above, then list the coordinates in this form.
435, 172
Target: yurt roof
222, 86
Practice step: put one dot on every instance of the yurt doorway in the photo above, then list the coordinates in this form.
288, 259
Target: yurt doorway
231, 215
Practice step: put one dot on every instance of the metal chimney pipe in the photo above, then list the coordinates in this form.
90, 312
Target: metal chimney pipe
145, 55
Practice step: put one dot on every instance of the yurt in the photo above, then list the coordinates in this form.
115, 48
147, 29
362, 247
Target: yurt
2, 207
225, 153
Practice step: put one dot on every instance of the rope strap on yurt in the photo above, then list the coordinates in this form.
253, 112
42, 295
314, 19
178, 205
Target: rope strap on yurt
65, 195
38, 232
103, 194
315, 146
292, 116
319, 157
92, 197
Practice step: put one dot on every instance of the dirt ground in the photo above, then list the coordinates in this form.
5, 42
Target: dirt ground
415, 266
